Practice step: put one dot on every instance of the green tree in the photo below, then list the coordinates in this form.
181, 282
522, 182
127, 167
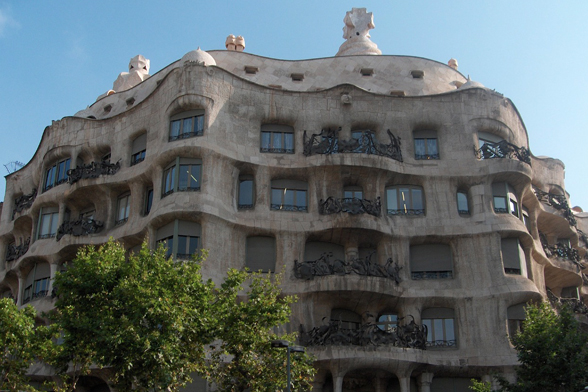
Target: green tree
480, 386
243, 357
145, 317
152, 321
22, 344
552, 351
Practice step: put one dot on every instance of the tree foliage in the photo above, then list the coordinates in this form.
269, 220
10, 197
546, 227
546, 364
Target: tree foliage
151, 321
243, 359
552, 351
480, 386
22, 344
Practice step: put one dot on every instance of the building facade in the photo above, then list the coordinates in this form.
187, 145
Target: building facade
398, 198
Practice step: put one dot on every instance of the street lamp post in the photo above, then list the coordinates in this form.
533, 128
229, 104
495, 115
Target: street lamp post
289, 349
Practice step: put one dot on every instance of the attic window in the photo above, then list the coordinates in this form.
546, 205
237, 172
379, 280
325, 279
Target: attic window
417, 74
398, 93
366, 71
107, 108
130, 101
297, 77
251, 70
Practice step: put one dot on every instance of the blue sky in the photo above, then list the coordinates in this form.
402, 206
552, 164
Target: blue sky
57, 57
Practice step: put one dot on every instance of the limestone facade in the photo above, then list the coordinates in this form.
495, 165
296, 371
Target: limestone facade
473, 233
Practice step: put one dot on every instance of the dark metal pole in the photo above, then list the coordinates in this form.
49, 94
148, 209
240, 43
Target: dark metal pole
288, 368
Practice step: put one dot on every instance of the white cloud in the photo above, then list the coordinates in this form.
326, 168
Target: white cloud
6, 21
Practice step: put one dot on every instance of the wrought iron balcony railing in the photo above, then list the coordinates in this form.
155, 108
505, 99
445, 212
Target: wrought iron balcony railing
23, 202
575, 304
502, 149
79, 227
16, 251
186, 135
92, 170
409, 335
288, 207
328, 142
442, 343
327, 265
561, 251
40, 294
351, 205
559, 202
406, 211
422, 275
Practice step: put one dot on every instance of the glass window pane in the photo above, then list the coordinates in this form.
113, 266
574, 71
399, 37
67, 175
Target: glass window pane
417, 199
438, 329
265, 140
175, 128
182, 244
149, 200
45, 224
276, 140
246, 192
391, 199
50, 177
403, 199
199, 124
289, 197
514, 208
184, 173
427, 322
449, 330
277, 196
187, 125
462, 202
301, 198
432, 146
193, 245
419, 147
499, 203
194, 179
289, 141
54, 220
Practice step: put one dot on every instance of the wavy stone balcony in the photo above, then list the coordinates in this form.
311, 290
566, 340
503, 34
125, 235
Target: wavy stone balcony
575, 304
80, 227
92, 170
328, 142
561, 251
351, 205
326, 265
559, 202
503, 149
410, 335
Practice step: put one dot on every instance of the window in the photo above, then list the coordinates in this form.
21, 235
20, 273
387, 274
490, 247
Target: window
313, 250
181, 239
37, 282
122, 209
463, 207
526, 219
365, 141
87, 215
513, 257
277, 138
246, 199
350, 192
148, 201
570, 292
289, 195
138, 150
56, 174
346, 318
431, 261
41, 288
261, 254
487, 143
182, 176
405, 200
425, 145
388, 322
504, 199
186, 125
440, 327
48, 221
516, 316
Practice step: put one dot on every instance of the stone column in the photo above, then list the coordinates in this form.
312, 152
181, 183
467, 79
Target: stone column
137, 200
53, 268
381, 383
404, 383
21, 283
424, 381
338, 382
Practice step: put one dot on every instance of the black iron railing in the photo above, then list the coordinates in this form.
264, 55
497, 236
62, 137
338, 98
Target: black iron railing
561, 250
79, 227
502, 149
16, 251
351, 205
23, 202
406, 211
186, 135
328, 142
288, 207
559, 202
92, 170
422, 275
